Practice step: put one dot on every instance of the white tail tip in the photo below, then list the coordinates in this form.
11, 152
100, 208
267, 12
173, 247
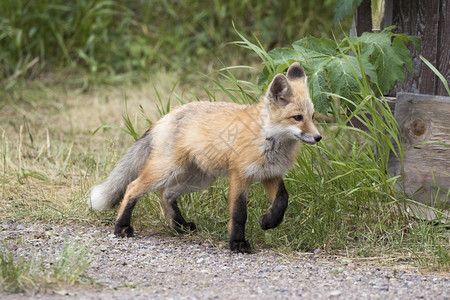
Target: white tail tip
99, 198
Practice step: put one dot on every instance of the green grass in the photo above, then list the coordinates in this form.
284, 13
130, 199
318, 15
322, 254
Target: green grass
15, 274
70, 264
21, 275
111, 41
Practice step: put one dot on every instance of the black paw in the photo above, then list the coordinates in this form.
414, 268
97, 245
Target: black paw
240, 246
268, 222
185, 228
191, 226
124, 231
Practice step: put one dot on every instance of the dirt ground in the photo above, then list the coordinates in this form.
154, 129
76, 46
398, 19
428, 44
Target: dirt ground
159, 266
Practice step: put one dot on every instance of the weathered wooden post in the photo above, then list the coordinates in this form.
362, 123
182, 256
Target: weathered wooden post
425, 132
424, 119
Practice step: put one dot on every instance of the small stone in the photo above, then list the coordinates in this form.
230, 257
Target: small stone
278, 269
335, 293
63, 293
382, 287
20, 227
317, 251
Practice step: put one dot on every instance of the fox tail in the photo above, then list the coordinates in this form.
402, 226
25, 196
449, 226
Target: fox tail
111, 192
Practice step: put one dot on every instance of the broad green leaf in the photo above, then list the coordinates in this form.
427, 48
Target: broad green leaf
404, 56
389, 54
318, 86
341, 77
408, 39
314, 47
330, 71
264, 78
344, 8
285, 56
336, 68
282, 58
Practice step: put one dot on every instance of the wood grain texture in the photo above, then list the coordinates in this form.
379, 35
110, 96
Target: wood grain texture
423, 119
443, 57
363, 18
419, 18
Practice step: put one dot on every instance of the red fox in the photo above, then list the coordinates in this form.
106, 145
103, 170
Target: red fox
191, 146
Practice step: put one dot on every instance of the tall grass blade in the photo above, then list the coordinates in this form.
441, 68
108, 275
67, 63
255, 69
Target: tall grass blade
438, 74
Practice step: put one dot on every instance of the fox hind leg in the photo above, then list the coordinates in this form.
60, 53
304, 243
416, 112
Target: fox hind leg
146, 182
175, 218
135, 191
195, 180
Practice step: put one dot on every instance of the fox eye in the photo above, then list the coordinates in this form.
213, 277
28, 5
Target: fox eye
298, 118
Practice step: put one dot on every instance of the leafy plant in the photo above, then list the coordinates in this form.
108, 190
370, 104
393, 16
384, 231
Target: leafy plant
338, 67
344, 8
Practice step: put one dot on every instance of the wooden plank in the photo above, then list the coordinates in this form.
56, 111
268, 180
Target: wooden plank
427, 213
443, 56
424, 118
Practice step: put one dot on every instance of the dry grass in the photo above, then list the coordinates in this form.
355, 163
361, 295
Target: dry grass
49, 156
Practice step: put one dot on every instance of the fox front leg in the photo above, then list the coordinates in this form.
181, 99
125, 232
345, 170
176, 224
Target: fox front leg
279, 197
238, 215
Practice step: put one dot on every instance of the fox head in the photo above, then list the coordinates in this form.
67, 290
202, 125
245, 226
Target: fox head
290, 109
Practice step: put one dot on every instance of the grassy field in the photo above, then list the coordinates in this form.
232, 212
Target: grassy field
342, 201
50, 158
112, 41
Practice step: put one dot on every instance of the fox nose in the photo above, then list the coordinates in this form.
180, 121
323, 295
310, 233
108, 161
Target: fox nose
317, 138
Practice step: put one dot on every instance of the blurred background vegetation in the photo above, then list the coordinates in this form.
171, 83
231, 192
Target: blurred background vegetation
114, 40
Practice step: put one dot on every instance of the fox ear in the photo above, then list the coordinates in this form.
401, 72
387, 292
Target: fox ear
279, 90
295, 72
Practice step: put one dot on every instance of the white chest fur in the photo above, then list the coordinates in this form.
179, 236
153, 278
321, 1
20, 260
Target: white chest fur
278, 159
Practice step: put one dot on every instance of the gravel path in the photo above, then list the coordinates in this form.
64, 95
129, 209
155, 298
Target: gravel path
158, 266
